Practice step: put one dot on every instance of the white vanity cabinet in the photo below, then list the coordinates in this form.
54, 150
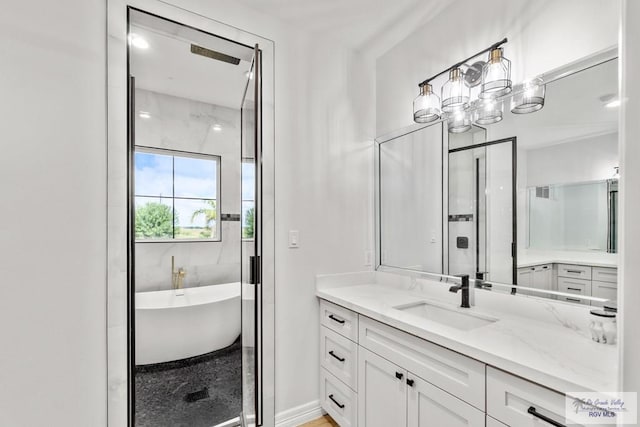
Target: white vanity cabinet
385, 377
382, 400
537, 276
339, 363
578, 280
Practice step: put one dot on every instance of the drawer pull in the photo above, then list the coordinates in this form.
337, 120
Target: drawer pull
573, 299
532, 411
575, 289
341, 359
335, 319
575, 271
340, 405
399, 375
410, 382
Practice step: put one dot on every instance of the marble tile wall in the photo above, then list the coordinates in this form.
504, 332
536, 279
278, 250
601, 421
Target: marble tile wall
186, 125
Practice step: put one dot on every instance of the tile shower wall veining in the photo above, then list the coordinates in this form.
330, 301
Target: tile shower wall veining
186, 125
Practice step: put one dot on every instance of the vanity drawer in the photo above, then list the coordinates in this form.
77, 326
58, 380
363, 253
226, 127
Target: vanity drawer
509, 398
339, 356
338, 400
604, 290
457, 374
339, 319
574, 271
602, 274
578, 287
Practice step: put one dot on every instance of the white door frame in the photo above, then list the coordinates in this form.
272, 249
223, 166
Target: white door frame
117, 173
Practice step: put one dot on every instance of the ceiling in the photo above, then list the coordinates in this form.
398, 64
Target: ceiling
168, 66
355, 23
573, 110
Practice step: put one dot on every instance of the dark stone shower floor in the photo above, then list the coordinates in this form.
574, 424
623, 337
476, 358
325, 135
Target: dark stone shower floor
198, 392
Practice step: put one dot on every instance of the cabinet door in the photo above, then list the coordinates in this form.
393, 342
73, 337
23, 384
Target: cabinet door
382, 392
524, 276
604, 290
429, 406
542, 277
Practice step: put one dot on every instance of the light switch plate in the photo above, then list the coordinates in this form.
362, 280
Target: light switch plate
294, 239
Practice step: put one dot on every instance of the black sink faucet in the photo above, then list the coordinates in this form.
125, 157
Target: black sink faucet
464, 286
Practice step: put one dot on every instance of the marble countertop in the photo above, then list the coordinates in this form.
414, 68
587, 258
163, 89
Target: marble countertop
530, 258
542, 341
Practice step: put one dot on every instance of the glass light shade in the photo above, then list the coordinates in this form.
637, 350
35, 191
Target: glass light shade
496, 76
487, 111
455, 92
426, 106
459, 121
528, 98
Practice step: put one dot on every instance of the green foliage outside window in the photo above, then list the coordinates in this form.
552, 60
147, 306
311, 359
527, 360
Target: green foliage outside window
154, 220
248, 229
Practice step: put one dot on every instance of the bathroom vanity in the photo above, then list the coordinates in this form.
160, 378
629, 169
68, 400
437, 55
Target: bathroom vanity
571, 275
399, 351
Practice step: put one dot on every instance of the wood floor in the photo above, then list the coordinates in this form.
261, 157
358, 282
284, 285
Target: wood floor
325, 421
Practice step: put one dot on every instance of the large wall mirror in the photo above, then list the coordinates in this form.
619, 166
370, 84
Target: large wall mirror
529, 201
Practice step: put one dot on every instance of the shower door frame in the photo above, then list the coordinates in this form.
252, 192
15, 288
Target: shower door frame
120, 357
514, 199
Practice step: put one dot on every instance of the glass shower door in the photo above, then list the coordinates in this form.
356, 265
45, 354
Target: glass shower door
482, 211
252, 247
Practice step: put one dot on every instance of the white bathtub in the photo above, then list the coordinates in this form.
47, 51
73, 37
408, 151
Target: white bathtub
171, 327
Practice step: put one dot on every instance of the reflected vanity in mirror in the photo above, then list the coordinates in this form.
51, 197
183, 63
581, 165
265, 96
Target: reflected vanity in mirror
526, 205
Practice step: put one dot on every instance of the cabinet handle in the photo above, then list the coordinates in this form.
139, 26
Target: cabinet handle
335, 319
399, 375
340, 405
575, 289
575, 271
341, 359
410, 382
532, 411
573, 299
545, 267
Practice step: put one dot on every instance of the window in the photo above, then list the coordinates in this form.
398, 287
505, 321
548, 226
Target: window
176, 195
248, 199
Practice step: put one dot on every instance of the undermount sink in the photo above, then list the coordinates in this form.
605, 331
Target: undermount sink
446, 316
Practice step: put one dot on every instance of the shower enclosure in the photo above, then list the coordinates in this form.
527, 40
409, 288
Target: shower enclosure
481, 200
195, 226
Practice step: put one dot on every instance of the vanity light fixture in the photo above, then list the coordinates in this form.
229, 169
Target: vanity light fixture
487, 111
459, 121
426, 106
455, 92
496, 75
488, 108
138, 41
529, 97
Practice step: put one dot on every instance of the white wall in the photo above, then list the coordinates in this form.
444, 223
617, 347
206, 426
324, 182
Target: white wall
538, 42
630, 202
53, 217
590, 159
186, 125
54, 162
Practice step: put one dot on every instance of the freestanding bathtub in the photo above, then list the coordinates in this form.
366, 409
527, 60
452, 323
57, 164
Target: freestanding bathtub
173, 327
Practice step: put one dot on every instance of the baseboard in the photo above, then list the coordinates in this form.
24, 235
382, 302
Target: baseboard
299, 415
